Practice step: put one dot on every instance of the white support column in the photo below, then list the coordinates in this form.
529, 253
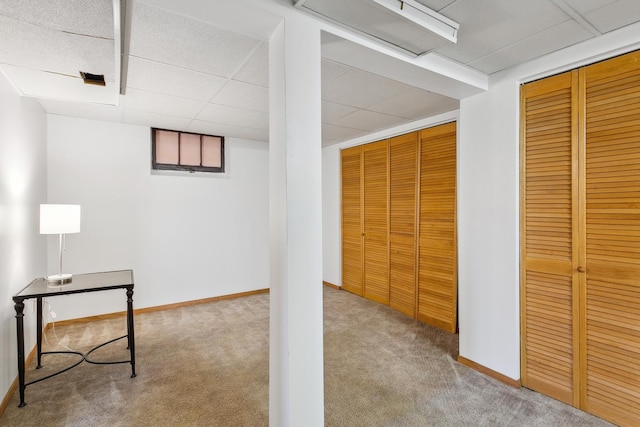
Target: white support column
296, 377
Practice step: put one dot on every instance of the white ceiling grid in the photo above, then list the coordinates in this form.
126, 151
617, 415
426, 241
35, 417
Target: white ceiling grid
499, 24
497, 34
169, 38
46, 45
90, 17
202, 66
610, 15
170, 80
182, 67
356, 102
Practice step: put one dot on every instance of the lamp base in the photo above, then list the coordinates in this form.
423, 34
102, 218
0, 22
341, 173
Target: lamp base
58, 279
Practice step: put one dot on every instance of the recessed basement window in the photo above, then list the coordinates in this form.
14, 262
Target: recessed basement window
185, 151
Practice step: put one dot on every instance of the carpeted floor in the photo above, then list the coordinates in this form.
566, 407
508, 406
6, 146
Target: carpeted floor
207, 365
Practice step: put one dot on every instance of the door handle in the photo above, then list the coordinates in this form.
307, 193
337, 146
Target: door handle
581, 269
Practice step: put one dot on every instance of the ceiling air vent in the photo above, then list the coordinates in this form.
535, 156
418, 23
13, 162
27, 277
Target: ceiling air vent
92, 79
406, 25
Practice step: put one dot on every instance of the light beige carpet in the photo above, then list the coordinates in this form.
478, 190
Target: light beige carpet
207, 365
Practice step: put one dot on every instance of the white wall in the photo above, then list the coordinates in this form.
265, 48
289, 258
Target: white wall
22, 188
331, 224
186, 237
488, 274
488, 204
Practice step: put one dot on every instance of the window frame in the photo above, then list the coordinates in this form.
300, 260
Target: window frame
186, 168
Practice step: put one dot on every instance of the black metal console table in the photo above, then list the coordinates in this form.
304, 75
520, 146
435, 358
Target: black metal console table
80, 283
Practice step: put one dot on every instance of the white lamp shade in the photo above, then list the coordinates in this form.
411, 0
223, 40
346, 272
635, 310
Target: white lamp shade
59, 219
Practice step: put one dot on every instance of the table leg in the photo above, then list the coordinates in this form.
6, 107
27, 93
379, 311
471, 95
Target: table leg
19, 306
39, 331
130, 334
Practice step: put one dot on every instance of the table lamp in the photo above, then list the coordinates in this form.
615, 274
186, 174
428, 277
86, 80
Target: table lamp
61, 220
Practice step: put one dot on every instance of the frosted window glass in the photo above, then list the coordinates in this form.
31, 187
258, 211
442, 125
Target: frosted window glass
185, 151
211, 151
189, 149
166, 147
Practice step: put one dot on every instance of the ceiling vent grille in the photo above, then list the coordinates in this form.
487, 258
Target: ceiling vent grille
92, 79
405, 25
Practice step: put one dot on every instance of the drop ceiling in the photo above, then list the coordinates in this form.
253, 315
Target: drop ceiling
405, 25
202, 66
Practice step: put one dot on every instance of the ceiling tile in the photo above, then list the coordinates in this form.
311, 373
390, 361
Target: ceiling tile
584, 6
332, 111
244, 95
161, 121
234, 116
490, 25
41, 48
370, 121
327, 142
88, 17
236, 16
57, 86
169, 38
84, 110
558, 37
254, 134
256, 69
359, 88
436, 4
219, 129
614, 15
161, 104
339, 133
156, 77
383, 25
416, 104
330, 70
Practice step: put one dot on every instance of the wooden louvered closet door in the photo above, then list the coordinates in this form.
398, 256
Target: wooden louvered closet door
580, 238
610, 311
351, 170
375, 222
403, 158
399, 224
437, 250
549, 223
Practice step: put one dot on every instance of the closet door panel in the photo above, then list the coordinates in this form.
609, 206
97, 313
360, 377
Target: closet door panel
549, 223
351, 170
402, 280
376, 224
403, 158
437, 252
611, 309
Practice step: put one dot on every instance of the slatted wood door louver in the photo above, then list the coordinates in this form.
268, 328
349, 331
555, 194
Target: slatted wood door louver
438, 264
403, 182
549, 255
610, 310
365, 250
351, 167
581, 238
376, 222
404, 207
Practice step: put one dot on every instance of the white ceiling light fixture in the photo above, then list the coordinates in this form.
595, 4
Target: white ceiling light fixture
402, 24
